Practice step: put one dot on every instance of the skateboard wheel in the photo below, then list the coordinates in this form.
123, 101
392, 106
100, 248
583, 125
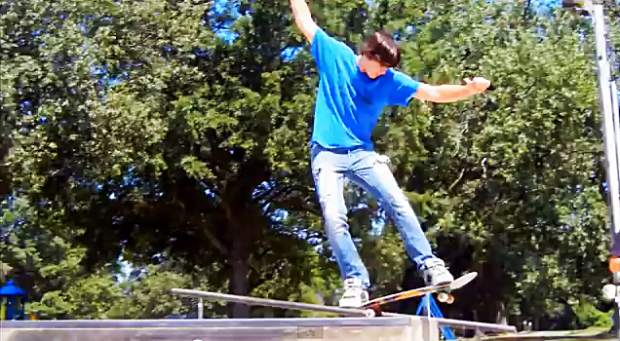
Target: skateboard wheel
370, 313
443, 297
450, 299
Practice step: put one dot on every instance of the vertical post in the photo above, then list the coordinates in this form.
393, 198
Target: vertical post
428, 305
479, 334
200, 308
615, 106
607, 102
609, 135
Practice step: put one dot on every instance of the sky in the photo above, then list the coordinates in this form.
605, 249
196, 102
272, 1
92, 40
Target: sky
540, 6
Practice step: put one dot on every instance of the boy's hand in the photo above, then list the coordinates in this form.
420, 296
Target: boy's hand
477, 85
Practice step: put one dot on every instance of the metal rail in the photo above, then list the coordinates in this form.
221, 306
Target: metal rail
272, 303
471, 325
481, 326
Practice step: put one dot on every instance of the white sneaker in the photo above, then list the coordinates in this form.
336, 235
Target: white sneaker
434, 272
354, 294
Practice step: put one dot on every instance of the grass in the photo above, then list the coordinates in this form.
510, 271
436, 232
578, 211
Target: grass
589, 334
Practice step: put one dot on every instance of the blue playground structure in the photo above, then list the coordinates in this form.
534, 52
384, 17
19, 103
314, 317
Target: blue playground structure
423, 310
12, 302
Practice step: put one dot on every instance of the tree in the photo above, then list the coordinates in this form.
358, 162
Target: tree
189, 156
139, 132
515, 175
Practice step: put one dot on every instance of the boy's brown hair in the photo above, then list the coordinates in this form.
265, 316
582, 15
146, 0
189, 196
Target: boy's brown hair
381, 47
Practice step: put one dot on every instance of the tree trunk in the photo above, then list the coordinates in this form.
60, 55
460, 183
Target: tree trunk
239, 279
241, 238
245, 222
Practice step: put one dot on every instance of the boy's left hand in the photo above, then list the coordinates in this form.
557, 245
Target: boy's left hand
477, 84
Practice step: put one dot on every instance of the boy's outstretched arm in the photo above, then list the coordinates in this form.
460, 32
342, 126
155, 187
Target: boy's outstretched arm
303, 19
452, 93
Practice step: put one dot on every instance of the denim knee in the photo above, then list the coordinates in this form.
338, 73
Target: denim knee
335, 216
398, 201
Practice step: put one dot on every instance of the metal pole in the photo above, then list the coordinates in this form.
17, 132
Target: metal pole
616, 118
608, 100
609, 136
609, 107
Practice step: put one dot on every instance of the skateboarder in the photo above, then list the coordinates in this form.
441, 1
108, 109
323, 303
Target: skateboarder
353, 92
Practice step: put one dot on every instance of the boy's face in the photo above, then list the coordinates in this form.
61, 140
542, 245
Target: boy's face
371, 67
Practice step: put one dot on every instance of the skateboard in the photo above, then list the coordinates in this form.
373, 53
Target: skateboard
370, 309
443, 291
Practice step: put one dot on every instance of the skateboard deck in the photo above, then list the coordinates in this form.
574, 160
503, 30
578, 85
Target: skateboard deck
443, 290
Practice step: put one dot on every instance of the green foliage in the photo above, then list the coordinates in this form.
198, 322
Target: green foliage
589, 316
89, 297
148, 295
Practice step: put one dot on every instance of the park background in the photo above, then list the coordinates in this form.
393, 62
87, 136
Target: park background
148, 145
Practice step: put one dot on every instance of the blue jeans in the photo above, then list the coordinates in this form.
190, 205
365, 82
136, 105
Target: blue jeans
370, 171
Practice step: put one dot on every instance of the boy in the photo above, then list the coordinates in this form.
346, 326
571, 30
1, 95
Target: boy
353, 91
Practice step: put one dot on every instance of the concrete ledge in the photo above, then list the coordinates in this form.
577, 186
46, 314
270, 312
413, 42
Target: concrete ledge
325, 329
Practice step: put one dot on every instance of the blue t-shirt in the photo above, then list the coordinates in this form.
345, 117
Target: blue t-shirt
349, 102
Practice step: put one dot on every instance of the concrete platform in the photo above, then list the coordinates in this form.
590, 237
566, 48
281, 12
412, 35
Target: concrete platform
258, 329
